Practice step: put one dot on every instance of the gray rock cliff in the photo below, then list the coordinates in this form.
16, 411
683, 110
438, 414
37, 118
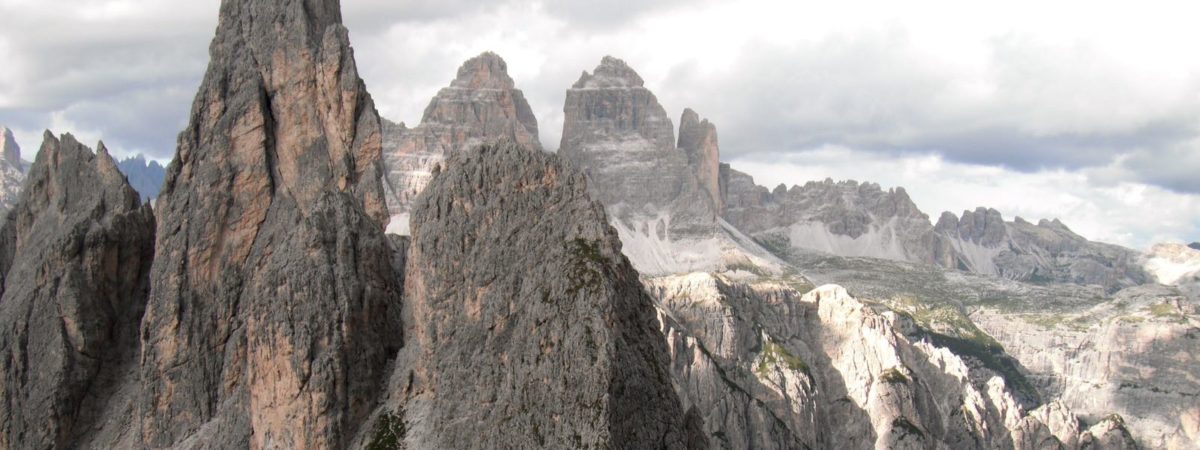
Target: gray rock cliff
75, 259
1049, 252
274, 305
529, 328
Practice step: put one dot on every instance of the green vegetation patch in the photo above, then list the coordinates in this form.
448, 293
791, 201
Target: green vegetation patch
1053, 321
390, 432
1166, 311
773, 353
894, 376
587, 264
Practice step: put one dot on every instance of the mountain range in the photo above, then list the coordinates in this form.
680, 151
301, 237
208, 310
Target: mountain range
312, 275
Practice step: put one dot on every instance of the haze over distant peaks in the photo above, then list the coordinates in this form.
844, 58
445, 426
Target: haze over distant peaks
144, 175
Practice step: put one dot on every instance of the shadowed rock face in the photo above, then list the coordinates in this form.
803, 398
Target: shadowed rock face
521, 302
481, 105
274, 306
75, 260
1194, 246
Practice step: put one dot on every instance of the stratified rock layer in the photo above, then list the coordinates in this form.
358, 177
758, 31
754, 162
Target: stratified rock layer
274, 306
662, 199
482, 105
75, 259
531, 329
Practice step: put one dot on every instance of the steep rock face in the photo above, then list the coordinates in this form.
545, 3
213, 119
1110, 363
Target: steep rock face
984, 243
770, 368
75, 260
11, 176
482, 105
1194, 246
662, 199
1098, 354
844, 218
1130, 356
9, 150
146, 177
274, 306
699, 139
531, 330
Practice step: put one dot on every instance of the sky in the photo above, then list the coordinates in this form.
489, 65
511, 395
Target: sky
1084, 111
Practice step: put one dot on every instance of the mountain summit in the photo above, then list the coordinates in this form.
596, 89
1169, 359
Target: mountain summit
481, 105
274, 306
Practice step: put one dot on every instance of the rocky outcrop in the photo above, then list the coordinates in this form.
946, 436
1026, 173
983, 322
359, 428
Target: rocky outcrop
1049, 252
771, 368
9, 150
75, 259
699, 140
844, 218
1096, 353
482, 105
529, 329
11, 168
1129, 355
145, 176
1194, 246
662, 199
274, 304
862, 220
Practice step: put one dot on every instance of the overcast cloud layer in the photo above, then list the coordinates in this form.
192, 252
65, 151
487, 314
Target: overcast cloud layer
1072, 109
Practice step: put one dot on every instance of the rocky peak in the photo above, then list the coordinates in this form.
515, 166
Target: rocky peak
11, 151
983, 226
481, 106
1194, 246
663, 199
699, 140
75, 261
11, 168
612, 102
274, 303
486, 71
522, 301
611, 73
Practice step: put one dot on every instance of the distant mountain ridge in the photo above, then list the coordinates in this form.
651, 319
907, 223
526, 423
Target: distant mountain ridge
146, 176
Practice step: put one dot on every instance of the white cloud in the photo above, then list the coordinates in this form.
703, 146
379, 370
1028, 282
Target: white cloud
1033, 90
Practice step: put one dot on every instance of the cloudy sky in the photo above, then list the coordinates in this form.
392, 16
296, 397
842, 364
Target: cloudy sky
1081, 110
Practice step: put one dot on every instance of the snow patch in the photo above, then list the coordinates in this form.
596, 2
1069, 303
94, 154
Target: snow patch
399, 225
